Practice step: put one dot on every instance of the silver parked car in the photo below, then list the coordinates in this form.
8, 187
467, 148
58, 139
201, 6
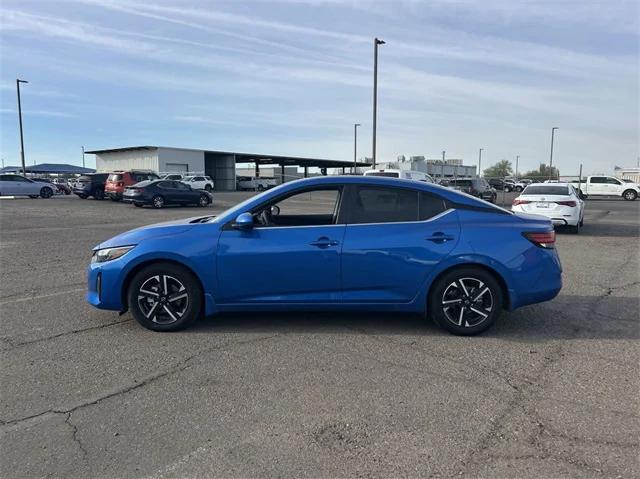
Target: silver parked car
16, 185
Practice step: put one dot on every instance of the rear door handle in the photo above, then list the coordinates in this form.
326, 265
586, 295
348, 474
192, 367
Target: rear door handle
324, 242
439, 237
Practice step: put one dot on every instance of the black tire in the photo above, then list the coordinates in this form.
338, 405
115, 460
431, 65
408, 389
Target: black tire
46, 192
33, 196
630, 195
475, 281
98, 194
139, 205
260, 188
518, 189
208, 188
114, 198
575, 229
83, 197
157, 202
582, 222
203, 201
180, 313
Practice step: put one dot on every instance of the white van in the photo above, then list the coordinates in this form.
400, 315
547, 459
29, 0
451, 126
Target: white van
402, 174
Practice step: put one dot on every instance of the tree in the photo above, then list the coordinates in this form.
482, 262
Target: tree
499, 170
544, 172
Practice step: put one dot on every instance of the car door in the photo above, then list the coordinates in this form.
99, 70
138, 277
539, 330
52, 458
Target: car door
393, 240
293, 257
597, 185
185, 194
614, 186
24, 186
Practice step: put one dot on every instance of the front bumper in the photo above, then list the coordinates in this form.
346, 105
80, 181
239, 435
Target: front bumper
104, 285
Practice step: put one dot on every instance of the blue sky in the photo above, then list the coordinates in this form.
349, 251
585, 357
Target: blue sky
292, 76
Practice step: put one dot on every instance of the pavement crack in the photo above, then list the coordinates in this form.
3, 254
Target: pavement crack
19, 423
74, 435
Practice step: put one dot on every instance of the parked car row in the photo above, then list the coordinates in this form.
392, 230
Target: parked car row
144, 187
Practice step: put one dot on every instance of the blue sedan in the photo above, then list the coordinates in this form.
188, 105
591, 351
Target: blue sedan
334, 243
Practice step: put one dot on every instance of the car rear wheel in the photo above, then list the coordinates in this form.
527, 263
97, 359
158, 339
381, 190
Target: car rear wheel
465, 301
518, 189
157, 202
208, 187
165, 297
83, 197
203, 201
139, 205
46, 192
630, 195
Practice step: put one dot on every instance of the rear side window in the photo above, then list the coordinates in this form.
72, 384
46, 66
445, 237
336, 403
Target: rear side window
430, 206
384, 205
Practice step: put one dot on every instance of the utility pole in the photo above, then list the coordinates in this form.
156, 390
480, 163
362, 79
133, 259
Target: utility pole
517, 159
376, 42
24, 168
83, 156
553, 130
480, 162
355, 147
443, 153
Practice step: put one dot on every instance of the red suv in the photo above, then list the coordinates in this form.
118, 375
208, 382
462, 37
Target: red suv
119, 180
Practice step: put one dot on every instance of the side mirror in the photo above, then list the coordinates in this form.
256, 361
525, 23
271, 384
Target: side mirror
244, 221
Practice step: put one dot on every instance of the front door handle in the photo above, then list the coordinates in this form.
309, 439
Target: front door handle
324, 242
439, 237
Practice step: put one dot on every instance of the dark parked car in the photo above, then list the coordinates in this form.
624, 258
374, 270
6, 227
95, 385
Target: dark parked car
159, 193
478, 187
500, 184
91, 185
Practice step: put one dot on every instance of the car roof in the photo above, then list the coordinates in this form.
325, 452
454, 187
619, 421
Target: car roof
551, 184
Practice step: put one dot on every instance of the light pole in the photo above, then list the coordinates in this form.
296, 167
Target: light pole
517, 159
355, 147
480, 162
553, 130
18, 81
83, 156
376, 42
442, 170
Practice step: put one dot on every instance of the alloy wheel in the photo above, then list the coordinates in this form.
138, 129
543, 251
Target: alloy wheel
467, 302
158, 202
204, 201
163, 299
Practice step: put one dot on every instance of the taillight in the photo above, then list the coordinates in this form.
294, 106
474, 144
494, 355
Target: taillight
518, 201
567, 203
545, 239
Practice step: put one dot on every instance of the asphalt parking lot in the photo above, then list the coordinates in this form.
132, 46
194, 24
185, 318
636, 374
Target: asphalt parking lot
550, 391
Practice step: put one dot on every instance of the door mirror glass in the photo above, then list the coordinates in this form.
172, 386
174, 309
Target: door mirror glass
244, 221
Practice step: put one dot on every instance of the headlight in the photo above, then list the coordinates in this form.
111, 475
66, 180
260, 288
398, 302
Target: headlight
108, 254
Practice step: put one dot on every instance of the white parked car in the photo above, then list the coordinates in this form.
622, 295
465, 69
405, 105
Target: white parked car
608, 186
199, 182
252, 183
560, 202
402, 174
17, 185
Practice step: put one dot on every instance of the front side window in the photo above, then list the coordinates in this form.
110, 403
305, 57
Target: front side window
612, 181
306, 208
384, 205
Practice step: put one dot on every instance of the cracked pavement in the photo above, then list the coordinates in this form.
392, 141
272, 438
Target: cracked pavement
550, 391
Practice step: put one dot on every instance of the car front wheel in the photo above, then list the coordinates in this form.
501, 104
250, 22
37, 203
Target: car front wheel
165, 297
46, 192
157, 202
465, 301
203, 201
630, 195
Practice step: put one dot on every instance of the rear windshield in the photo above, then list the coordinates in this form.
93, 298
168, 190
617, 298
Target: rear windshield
84, 178
114, 177
384, 173
546, 190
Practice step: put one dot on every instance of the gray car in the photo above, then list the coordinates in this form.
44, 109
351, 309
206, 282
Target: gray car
16, 185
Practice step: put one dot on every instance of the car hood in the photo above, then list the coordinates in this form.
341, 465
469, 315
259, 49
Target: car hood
153, 231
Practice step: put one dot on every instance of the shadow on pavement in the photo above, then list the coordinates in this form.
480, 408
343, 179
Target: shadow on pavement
567, 317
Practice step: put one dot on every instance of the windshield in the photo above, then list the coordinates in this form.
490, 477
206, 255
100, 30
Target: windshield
546, 190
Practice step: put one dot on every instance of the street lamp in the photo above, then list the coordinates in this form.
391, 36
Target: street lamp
376, 42
18, 81
517, 159
480, 162
355, 147
553, 130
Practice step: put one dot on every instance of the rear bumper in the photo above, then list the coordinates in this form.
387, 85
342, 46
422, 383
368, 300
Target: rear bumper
540, 280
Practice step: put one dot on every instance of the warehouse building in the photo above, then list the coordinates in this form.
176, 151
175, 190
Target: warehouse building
219, 165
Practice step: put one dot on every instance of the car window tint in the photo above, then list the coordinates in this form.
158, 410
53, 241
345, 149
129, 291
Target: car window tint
597, 179
313, 202
612, 181
430, 206
546, 190
384, 205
